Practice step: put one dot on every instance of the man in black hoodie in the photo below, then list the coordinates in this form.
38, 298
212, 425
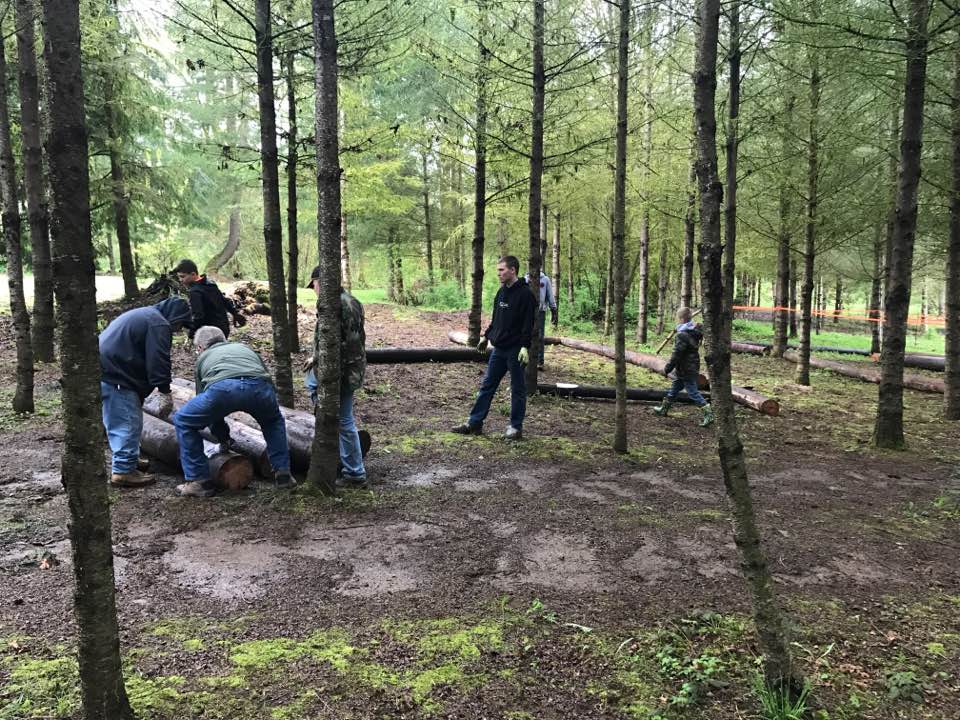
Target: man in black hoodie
135, 359
509, 333
207, 303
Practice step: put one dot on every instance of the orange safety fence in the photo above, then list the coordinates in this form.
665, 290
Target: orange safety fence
921, 320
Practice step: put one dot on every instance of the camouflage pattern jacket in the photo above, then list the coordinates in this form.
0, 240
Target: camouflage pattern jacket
353, 342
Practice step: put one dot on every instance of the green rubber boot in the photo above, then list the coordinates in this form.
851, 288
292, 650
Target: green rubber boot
707, 416
663, 408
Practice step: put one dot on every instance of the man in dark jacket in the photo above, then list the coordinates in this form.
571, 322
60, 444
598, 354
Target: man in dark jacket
509, 333
207, 303
230, 378
135, 359
686, 361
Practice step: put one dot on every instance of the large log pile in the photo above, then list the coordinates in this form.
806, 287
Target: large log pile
868, 373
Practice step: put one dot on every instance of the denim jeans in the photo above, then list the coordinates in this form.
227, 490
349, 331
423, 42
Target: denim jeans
501, 360
351, 457
690, 385
123, 419
542, 321
255, 396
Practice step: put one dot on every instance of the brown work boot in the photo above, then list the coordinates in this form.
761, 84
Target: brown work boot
134, 479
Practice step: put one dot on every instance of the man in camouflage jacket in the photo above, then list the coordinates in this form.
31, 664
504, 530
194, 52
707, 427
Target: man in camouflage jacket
353, 365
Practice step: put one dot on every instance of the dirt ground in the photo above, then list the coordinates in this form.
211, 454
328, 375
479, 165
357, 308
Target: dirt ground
480, 579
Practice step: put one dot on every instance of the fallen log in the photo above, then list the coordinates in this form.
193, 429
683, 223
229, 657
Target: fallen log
606, 392
248, 442
749, 348
922, 361
644, 360
869, 374
228, 470
387, 356
461, 338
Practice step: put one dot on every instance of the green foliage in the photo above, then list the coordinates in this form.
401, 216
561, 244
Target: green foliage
776, 705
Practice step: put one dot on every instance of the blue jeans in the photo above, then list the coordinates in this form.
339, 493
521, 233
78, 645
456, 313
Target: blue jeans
351, 457
690, 385
208, 409
501, 360
542, 320
123, 419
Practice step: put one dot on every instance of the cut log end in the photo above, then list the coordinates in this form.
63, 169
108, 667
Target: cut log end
231, 471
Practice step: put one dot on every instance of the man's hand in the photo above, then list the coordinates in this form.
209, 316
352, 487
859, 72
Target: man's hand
667, 370
308, 364
166, 405
523, 356
554, 317
482, 345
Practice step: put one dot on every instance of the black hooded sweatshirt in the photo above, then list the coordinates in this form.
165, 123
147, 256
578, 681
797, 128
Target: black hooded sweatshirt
512, 321
686, 353
135, 348
208, 306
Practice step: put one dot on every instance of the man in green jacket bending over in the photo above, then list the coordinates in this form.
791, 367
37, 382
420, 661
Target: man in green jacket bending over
230, 377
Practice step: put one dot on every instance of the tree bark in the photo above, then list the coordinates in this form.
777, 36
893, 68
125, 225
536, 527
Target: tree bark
33, 180
784, 238
121, 213
556, 258
427, 225
536, 179
643, 310
23, 393
461, 224
875, 289
888, 432
608, 284
293, 248
544, 230
345, 277
570, 276
663, 277
810, 235
619, 222
793, 296
502, 236
272, 230
951, 395
232, 244
837, 300
689, 230
326, 447
779, 672
480, 179
391, 266
82, 470
732, 158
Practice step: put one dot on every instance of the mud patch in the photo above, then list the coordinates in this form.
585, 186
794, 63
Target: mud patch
695, 488
650, 562
375, 559
474, 485
217, 563
432, 477
555, 560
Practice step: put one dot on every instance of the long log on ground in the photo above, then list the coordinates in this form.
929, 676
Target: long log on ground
227, 470
606, 392
743, 396
387, 356
248, 441
749, 348
869, 374
922, 361
644, 360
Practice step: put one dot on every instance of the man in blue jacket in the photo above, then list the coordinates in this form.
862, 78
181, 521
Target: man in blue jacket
509, 332
135, 359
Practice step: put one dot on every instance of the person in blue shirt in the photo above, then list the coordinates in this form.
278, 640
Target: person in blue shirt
548, 301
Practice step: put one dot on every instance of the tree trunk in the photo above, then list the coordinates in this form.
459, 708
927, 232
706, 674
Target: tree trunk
33, 180
784, 278
810, 235
82, 470
427, 225
924, 298
233, 241
793, 296
570, 281
837, 300
293, 249
119, 194
732, 156
779, 672
398, 267
951, 396
391, 266
23, 394
502, 236
544, 230
689, 231
480, 180
875, 288
536, 179
608, 285
663, 277
619, 221
643, 310
345, 278
556, 257
461, 223
889, 426
272, 230
326, 446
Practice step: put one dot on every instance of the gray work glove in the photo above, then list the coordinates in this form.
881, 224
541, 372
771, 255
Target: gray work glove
166, 405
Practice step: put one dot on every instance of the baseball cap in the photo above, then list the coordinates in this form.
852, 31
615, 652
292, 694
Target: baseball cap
313, 276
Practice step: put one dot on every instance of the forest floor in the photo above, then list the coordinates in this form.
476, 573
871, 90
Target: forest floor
480, 579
